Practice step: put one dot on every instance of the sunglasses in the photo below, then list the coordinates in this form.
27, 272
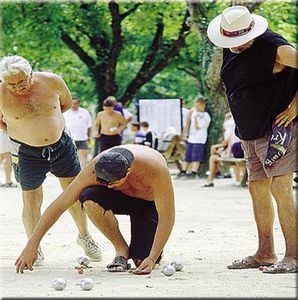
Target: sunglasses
102, 181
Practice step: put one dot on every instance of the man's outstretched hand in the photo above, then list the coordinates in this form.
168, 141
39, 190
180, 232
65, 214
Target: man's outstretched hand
144, 268
26, 259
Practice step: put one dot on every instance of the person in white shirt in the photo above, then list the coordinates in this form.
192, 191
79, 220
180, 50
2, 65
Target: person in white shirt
79, 122
197, 123
126, 134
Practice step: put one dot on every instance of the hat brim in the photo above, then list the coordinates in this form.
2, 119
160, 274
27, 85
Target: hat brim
222, 41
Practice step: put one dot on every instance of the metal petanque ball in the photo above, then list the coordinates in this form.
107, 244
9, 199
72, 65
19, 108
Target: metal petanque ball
59, 284
168, 270
178, 265
84, 260
87, 284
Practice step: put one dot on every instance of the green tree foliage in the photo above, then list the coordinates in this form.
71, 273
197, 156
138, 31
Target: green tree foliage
100, 48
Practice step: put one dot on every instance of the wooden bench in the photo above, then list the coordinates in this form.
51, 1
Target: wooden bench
240, 162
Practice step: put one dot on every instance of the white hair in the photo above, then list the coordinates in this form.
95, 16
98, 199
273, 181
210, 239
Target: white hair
11, 65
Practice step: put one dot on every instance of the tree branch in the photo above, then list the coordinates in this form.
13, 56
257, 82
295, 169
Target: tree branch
149, 69
130, 11
174, 48
117, 42
89, 61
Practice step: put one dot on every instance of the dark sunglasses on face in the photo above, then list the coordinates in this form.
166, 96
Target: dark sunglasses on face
102, 181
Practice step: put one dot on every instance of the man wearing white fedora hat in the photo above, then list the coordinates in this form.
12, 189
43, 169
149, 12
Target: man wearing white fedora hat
259, 71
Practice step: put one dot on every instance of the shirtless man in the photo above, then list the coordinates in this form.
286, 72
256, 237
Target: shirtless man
32, 104
109, 125
128, 179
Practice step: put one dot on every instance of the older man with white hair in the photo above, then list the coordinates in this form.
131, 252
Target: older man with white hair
259, 72
32, 104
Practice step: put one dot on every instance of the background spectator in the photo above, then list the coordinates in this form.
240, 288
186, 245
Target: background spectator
198, 121
79, 122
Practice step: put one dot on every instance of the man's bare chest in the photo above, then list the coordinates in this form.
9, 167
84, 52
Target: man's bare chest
137, 188
35, 104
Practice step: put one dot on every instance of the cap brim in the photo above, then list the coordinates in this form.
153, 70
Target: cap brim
222, 41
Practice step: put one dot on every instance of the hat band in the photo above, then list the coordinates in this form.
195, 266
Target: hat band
237, 32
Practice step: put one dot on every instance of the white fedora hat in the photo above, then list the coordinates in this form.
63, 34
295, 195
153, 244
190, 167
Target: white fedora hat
235, 27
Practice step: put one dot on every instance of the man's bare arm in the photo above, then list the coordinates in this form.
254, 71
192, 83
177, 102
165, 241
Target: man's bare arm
289, 114
97, 124
66, 199
64, 93
2, 123
188, 121
164, 201
287, 56
122, 123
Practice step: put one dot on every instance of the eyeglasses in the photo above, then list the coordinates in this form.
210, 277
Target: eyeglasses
21, 84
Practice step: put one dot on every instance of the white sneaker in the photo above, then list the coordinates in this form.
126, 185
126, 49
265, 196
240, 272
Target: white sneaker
40, 258
91, 248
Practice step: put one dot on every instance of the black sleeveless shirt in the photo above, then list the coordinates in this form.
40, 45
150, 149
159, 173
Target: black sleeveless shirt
256, 95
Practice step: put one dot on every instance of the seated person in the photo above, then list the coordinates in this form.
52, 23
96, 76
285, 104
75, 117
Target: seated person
144, 136
234, 150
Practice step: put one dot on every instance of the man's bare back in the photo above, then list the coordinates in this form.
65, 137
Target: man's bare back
149, 172
34, 116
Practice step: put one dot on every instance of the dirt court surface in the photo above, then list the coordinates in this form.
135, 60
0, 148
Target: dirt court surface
213, 227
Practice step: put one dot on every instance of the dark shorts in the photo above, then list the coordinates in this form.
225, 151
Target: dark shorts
194, 152
255, 154
82, 145
109, 141
143, 216
31, 164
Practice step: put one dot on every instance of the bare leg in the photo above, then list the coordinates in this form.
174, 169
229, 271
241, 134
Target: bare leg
32, 201
185, 166
77, 214
213, 167
108, 225
237, 173
195, 166
282, 191
7, 167
264, 217
83, 154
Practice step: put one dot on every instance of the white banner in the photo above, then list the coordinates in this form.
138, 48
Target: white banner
161, 114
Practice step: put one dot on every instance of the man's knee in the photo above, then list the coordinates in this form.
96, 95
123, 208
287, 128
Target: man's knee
259, 186
90, 197
281, 183
32, 199
86, 194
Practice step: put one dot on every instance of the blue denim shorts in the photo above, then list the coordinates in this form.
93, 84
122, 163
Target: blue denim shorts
194, 152
31, 164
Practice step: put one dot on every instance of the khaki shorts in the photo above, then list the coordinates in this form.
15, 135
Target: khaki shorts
255, 152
